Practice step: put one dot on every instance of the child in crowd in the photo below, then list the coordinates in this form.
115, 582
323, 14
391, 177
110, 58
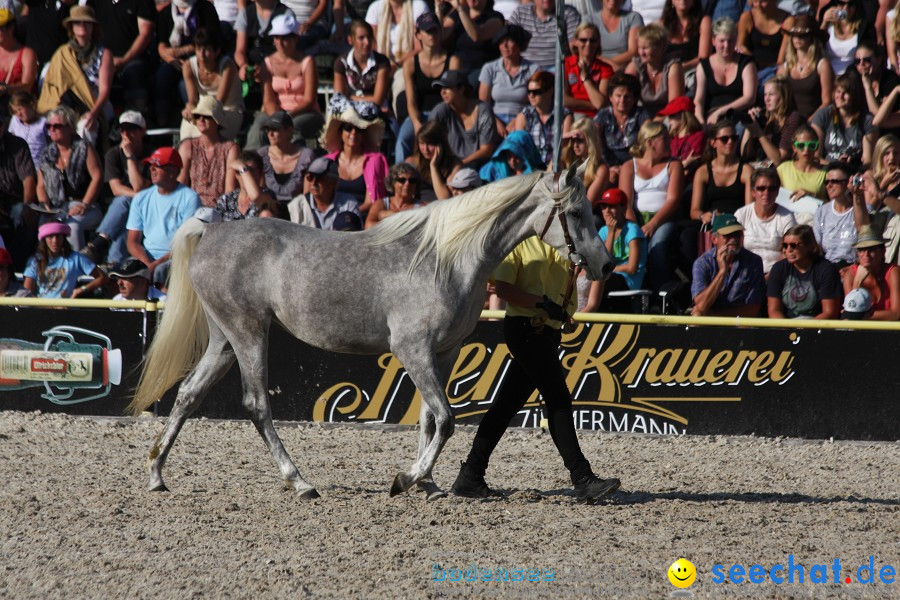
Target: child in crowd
27, 124
54, 270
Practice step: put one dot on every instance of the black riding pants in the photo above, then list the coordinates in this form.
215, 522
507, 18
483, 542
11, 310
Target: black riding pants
535, 365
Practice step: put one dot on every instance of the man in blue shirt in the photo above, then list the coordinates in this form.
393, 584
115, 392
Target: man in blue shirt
728, 279
157, 212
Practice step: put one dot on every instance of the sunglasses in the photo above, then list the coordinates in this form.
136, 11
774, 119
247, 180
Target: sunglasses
314, 177
728, 138
867, 60
198, 117
537, 91
348, 128
835, 181
56, 126
590, 40
791, 245
810, 145
766, 188
410, 180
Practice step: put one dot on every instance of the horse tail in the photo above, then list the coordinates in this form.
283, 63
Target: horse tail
183, 332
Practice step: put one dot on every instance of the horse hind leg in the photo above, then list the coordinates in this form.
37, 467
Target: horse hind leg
253, 360
215, 362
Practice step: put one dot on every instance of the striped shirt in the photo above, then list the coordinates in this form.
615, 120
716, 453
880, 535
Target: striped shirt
542, 47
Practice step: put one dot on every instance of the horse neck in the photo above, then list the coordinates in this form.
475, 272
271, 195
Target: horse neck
515, 225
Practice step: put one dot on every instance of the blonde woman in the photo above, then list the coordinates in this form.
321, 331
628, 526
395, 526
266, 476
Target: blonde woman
768, 136
805, 67
582, 144
394, 23
841, 21
654, 183
726, 80
882, 186
892, 37
661, 80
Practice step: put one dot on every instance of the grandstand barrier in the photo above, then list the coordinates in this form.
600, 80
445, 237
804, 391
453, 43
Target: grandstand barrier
630, 373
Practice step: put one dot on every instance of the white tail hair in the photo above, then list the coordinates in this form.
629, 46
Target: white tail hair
182, 334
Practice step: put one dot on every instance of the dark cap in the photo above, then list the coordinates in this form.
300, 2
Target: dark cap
427, 21
279, 120
347, 221
323, 166
130, 267
452, 78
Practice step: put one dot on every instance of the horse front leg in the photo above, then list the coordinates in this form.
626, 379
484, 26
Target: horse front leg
430, 374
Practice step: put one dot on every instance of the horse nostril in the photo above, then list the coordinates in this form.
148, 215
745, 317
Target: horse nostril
607, 270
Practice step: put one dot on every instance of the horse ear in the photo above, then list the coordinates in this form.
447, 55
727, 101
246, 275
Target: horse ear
571, 172
580, 168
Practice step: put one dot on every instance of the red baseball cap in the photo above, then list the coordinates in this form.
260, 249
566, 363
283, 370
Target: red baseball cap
5, 258
613, 196
679, 104
165, 156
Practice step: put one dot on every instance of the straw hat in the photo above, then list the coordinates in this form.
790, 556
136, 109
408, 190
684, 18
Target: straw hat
80, 14
210, 106
359, 113
868, 237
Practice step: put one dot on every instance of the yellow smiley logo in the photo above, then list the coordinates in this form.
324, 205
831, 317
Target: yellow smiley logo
682, 573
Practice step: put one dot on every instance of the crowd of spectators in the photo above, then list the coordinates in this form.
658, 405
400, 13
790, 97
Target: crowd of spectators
733, 150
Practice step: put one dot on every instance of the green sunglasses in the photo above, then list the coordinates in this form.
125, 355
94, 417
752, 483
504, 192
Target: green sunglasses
811, 145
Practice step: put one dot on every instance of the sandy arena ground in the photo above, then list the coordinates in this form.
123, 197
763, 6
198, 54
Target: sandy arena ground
75, 521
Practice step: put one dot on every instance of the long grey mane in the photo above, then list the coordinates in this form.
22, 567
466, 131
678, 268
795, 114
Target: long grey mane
457, 230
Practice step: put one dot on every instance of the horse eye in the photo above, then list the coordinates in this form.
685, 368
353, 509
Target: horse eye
576, 214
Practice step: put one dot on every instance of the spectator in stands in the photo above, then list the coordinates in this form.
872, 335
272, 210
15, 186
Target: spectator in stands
841, 20
206, 158
688, 139
18, 63
690, 34
765, 222
251, 196
177, 25
885, 171
618, 32
426, 67
54, 270
9, 287
805, 67
363, 74
435, 162
516, 155
661, 80
323, 203
18, 188
253, 39
586, 88
504, 82
80, 75
394, 24
892, 37
803, 175
539, 19
227, 11
211, 72
876, 203
803, 285
352, 138
132, 277
315, 23
464, 181
627, 245
714, 99
872, 273
620, 122
538, 117
284, 160
44, 30
473, 28
768, 135
876, 79
27, 124
470, 125
728, 280
158, 211
582, 144
128, 27
760, 37
833, 223
289, 82
70, 176
127, 174
845, 127
654, 184
403, 181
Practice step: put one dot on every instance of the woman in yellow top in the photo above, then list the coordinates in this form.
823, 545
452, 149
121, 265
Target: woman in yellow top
533, 280
803, 175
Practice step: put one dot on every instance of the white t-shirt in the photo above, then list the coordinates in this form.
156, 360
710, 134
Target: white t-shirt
374, 14
764, 237
650, 10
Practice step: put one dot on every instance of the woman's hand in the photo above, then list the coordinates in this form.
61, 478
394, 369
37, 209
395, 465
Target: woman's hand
77, 209
88, 119
188, 111
648, 230
77, 292
799, 193
706, 218
753, 126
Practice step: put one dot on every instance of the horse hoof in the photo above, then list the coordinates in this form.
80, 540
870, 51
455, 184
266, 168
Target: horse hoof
159, 487
401, 483
436, 495
310, 494
432, 491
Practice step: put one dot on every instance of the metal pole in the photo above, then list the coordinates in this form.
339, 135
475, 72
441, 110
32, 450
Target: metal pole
561, 38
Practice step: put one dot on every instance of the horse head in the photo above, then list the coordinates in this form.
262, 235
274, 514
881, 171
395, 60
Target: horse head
569, 224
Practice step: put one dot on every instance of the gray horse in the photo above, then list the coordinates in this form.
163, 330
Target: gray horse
414, 286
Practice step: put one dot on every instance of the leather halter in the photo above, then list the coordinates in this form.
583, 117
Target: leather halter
575, 259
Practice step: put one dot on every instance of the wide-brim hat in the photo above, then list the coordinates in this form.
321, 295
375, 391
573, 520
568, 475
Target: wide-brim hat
359, 113
211, 107
869, 237
80, 14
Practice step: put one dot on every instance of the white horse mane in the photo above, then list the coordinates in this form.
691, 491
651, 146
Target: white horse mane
456, 229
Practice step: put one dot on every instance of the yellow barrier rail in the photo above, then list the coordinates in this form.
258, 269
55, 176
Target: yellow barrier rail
499, 314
